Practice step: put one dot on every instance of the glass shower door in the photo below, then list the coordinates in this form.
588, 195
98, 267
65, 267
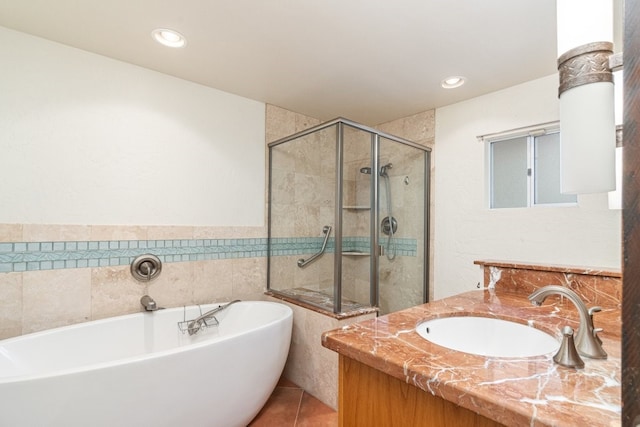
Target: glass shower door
348, 219
301, 217
402, 216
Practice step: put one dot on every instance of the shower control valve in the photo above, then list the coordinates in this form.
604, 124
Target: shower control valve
389, 225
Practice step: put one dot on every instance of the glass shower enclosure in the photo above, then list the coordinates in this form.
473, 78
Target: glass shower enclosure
348, 219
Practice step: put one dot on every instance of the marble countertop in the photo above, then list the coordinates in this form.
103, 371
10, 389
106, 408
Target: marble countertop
513, 391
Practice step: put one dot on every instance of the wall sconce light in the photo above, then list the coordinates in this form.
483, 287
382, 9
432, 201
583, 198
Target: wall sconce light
586, 92
615, 197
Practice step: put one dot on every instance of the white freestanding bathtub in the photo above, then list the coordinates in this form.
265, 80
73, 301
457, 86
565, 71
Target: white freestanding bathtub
140, 370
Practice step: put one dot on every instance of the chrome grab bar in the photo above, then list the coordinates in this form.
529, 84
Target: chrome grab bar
326, 230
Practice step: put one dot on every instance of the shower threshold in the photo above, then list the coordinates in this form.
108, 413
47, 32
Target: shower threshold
322, 302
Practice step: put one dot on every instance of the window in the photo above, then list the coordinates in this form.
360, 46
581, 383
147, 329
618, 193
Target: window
525, 170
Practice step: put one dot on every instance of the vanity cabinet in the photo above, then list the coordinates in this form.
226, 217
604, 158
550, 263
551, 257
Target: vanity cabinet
388, 373
370, 398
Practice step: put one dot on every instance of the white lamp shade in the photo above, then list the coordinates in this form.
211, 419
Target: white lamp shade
587, 139
587, 123
615, 197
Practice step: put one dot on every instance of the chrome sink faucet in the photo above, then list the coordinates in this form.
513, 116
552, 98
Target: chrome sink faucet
587, 342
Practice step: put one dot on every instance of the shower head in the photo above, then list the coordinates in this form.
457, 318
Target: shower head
383, 169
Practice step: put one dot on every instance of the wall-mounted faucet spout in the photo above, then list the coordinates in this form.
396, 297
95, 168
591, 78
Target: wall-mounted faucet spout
587, 342
148, 303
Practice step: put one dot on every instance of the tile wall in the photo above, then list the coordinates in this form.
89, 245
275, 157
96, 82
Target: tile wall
303, 201
419, 128
310, 365
57, 275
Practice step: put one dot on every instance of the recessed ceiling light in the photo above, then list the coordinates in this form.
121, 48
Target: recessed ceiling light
169, 38
453, 81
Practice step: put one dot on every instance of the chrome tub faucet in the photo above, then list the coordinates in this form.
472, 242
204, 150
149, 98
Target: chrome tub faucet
587, 342
148, 303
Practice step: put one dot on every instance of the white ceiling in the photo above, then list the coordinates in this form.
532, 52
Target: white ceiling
367, 60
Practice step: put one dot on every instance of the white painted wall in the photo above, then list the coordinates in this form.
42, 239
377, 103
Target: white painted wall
85, 139
466, 230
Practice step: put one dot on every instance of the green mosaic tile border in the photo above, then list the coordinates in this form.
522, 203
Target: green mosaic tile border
34, 256
307, 245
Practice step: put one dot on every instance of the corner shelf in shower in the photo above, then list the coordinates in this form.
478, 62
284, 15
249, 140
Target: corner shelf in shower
357, 208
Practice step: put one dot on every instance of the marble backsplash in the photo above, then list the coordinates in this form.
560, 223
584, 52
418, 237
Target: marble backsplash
596, 286
600, 287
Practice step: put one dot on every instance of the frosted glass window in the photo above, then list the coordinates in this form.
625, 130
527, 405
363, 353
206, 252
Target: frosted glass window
509, 173
546, 150
525, 171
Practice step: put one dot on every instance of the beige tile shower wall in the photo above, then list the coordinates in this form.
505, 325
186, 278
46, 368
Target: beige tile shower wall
281, 123
286, 274
355, 278
419, 128
401, 279
314, 204
36, 300
303, 197
303, 208
356, 220
309, 364
301, 193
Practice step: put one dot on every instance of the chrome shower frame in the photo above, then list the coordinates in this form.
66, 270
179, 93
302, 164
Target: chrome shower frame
375, 246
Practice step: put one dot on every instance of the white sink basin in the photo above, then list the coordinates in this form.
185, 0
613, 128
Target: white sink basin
487, 336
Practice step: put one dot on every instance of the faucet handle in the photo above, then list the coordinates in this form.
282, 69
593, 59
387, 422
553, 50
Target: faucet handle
594, 309
595, 334
567, 354
588, 342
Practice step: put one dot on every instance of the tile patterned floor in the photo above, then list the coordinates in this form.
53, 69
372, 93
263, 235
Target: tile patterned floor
291, 406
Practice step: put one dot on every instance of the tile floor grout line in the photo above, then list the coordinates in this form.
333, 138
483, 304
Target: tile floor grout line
295, 422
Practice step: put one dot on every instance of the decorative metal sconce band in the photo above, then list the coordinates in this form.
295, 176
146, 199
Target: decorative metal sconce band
585, 64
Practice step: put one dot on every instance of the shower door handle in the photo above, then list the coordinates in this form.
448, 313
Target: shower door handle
303, 262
